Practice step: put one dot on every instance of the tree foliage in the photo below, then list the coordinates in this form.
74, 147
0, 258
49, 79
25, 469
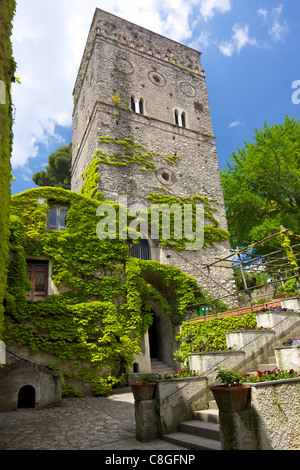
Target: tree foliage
261, 184
58, 170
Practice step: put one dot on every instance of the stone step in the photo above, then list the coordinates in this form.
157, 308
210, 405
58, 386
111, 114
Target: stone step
203, 432
160, 367
208, 416
200, 433
190, 441
212, 405
201, 429
270, 364
266, 366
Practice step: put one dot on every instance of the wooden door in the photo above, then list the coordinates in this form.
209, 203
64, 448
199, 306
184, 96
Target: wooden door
38, 275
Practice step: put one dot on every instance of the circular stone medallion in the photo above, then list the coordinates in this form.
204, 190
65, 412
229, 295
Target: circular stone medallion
166, 176
124, 65
188, 89
157, 78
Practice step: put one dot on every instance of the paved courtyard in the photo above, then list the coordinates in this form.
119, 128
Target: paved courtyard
78, 424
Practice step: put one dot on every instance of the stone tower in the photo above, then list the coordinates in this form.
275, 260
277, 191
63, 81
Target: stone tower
135, 84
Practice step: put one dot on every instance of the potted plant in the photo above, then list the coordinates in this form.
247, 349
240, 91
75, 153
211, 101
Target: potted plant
144, 388
231, 395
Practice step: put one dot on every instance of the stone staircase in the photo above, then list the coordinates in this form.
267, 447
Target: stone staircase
203, 432
270, 364
160, 367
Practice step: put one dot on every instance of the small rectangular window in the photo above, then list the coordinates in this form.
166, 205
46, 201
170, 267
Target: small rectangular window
57, 218
62, 218
141, 107
52, 218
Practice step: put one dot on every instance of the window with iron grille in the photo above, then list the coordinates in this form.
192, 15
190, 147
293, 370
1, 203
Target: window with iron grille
142, 250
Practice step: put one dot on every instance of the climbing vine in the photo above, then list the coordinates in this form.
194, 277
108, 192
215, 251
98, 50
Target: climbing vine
286, 244
7, 71
210, 333
127, 152
92, 328
212, 232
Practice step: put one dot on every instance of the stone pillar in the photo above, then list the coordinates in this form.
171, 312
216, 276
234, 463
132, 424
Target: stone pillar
2, 353
146, 420
239, 431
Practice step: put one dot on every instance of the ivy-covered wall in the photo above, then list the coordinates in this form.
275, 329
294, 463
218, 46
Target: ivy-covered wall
92, 328
125, 153
210, 334
7, 70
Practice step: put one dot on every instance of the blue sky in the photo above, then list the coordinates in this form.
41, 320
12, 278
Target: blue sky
250, 53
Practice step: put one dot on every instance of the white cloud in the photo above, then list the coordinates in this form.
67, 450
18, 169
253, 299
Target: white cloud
278, 10
202, 42
235, 123
262, 12
46, 66
208, 8
238, 41
278, 31
48, 42
226, 48
277, 27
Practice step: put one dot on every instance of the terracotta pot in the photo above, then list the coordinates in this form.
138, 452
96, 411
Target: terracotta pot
231, 398
143, 391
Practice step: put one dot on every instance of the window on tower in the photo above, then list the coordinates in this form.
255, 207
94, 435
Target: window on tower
132, 104
137, 105
180, 118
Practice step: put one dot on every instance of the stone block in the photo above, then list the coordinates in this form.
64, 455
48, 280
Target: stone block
2, 353
287, 357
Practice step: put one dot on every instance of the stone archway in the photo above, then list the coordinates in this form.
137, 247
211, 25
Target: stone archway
158, 343
161, 339
26, 397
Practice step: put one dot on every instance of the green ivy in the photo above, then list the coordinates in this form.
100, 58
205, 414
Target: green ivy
127, 152
7, 71
93, 329
212, 232
209, 333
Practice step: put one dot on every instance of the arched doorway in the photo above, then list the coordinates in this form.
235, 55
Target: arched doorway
26, 397
161, 344
154, 338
